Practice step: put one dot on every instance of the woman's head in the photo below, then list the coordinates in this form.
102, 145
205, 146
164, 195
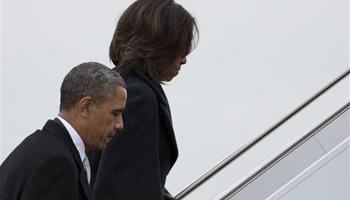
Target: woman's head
155, 35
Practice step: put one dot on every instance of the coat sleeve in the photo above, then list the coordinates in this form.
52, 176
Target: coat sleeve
53, 179
129, 167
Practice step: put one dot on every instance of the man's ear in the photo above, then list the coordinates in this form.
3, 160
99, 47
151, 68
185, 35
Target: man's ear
85, 106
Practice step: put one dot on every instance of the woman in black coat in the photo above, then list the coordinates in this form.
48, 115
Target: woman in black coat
150, 43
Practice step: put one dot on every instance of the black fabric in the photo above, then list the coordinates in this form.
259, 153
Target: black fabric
45, 166
136, 162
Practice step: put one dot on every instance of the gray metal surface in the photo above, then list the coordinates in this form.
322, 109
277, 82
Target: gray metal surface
326, 139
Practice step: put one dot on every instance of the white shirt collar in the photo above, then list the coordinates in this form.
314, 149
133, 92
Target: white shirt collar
78, 142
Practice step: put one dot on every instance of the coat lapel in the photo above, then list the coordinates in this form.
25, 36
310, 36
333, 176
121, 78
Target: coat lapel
84, 183
164, 109
157, 88
56, 128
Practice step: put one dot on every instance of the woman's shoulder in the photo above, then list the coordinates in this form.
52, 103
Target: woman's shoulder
138, 86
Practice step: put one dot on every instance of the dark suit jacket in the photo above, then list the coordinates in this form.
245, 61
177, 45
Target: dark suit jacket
45, 166
136, 162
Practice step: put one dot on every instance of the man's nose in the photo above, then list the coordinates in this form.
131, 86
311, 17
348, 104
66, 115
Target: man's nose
119, 125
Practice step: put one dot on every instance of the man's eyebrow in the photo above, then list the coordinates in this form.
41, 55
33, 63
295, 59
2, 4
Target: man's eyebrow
118, 110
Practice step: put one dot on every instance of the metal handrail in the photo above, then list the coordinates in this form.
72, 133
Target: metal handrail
287, 151
218, 167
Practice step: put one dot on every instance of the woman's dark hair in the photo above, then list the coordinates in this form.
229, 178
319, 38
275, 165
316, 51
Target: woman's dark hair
150, 35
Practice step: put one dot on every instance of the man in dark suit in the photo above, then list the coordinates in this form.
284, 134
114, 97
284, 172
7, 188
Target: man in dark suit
51, 163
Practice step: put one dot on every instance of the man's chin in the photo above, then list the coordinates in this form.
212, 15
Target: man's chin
103, 146
100, 146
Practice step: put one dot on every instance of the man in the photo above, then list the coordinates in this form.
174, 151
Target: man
51, 163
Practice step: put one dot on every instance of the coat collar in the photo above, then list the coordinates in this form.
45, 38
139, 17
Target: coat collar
164, 107
157, 88
56, 128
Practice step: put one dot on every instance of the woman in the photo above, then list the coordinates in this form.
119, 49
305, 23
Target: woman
150, 43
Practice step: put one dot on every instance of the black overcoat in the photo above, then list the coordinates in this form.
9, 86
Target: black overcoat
136, 162
45, 166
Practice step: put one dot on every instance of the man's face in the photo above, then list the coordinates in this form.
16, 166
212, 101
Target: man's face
105, 120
